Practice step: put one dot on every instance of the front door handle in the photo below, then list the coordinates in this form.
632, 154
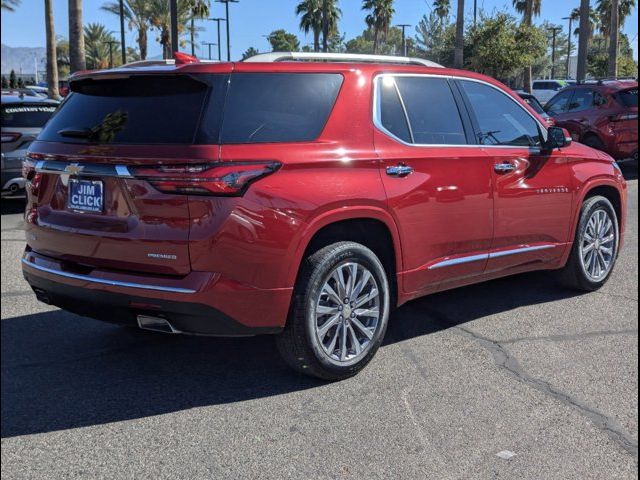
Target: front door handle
400, 170
504, 167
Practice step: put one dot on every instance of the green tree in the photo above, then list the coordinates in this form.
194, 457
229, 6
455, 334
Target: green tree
13, 79
499, 47
10, 5
528, 9
379, 19
598, 58
198, 9
442, 8
250, 52
435, 40
97, 39
5, 82
311, 18
138, 17
392, 45
603, 9
282, 41
20, 83
62, 55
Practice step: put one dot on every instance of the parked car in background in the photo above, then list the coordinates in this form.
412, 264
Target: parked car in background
304, 198
602, 115
22, 118
533, 102
42, 91
544, 90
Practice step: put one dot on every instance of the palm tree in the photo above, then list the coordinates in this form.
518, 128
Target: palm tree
136, 13
160, 19
198, 9
379, 18
442, 9
52, 59
528, 9
311, 18
458, 56
583, 39
604, 8
10, 5
614, 30
76, 39
97, 39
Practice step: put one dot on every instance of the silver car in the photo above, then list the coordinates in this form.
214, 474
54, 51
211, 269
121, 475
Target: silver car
22, 119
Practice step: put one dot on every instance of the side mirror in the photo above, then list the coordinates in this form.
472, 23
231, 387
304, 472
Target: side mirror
557, 138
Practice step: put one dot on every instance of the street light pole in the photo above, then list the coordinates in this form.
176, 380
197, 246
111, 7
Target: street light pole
209, 44
226, 10
111, 43
554, 31
122, 40
570, 18
173, 7
218, 20
403, 26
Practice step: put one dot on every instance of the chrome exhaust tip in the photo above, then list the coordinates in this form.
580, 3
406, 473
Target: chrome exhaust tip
156, 324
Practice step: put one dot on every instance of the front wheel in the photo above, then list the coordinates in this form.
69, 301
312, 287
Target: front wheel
595, 248
339, 314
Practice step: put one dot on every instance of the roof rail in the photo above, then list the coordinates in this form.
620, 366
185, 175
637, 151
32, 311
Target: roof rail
338, 57
160, 62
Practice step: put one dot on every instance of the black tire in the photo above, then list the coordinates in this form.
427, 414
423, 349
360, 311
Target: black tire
574, 274
298, 342
594, 142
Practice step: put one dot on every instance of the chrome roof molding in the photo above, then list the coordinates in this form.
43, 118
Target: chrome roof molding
339, 57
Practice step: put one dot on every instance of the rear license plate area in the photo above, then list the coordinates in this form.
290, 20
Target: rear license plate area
85, 195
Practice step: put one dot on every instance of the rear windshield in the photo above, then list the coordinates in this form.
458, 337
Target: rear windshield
628, 98
143, 109
533, 103
26, 115
202, 109
278, 107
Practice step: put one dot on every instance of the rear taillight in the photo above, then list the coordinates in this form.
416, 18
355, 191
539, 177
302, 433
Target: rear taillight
223, 178
8, 137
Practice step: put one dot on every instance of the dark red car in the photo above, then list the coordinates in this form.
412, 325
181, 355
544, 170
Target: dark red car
602, 115
305, 199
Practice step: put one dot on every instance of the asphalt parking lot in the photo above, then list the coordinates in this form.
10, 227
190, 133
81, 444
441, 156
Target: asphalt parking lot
516, 378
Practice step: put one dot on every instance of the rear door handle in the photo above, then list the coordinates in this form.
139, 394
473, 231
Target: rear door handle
504, 167
400, 170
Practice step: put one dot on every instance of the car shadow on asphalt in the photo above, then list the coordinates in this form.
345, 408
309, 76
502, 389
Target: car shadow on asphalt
9, 206
62, 371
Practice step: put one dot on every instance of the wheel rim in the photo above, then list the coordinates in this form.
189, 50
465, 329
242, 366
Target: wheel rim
347, 313
598, 245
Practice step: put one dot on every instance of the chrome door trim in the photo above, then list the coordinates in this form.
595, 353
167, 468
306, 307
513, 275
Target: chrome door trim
486, 256
102, 281
82, 169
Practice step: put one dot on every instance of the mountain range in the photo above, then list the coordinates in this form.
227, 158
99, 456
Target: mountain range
22, 59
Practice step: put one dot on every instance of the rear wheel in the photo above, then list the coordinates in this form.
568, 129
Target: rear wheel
339, 314
595, 248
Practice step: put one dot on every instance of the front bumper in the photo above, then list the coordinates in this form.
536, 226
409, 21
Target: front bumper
201, 303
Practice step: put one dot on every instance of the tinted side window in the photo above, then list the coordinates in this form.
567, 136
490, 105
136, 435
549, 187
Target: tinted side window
433, 113
582, 100
558, 104
278, 107
501, 120
392, 115
628, 98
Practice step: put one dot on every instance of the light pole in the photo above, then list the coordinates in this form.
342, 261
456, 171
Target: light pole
111, 43
122, 44
554, 31
226, 10
570, 18
173, 7
403, 26
218, 20
209, 44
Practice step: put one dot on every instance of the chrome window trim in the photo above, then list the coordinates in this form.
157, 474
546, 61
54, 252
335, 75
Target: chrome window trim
82, 169
102, 281
488, 256
377, 121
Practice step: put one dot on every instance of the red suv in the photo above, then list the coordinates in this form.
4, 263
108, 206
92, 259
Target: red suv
304, 199
602, 115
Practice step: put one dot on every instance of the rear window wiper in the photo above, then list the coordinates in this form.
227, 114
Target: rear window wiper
73, 132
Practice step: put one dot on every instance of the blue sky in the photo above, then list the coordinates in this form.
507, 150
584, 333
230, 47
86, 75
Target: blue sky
251, 19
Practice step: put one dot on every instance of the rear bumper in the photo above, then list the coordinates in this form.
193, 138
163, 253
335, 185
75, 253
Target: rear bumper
200, 303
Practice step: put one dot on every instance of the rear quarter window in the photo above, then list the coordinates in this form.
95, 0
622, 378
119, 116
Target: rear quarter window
26, 115
278, 107
627, 98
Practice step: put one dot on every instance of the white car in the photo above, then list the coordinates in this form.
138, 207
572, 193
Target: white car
544, 90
